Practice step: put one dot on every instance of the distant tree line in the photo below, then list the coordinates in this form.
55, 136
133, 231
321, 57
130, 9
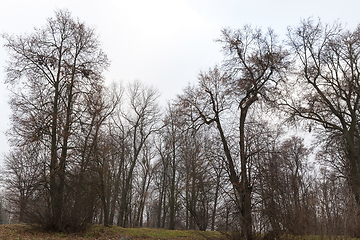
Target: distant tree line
223, 155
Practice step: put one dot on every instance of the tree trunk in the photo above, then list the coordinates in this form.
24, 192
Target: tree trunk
172, 191
106, 213
245, 192
354, 167
160, 204
144, 187
117, 185
215, 202
125, 195
241, 188
55, 214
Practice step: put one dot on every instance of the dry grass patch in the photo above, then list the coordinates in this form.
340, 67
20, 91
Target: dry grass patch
26, 232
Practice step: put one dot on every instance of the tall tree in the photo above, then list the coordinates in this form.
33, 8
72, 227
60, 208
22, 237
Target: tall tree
143, 121
327, 61
254, 63
52, 71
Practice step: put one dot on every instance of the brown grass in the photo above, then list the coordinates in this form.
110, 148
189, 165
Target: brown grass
26, 232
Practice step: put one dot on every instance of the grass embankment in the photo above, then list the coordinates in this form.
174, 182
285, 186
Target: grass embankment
25, 232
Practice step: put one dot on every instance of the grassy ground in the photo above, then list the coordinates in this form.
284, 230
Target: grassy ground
25, 232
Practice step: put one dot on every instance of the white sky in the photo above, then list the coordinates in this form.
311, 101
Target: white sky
164, 43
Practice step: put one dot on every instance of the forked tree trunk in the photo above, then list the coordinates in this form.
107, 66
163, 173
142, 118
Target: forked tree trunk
245, 191
242, 189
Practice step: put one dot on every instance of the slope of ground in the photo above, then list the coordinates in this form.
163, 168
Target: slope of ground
25, 232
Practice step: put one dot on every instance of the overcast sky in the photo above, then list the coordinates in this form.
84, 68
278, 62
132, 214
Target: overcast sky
164, 43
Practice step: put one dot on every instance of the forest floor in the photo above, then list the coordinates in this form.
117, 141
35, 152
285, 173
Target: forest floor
26, 232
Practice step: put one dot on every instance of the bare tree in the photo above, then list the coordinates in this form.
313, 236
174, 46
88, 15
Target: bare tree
161, 182
56, 67
338, 210
194, 154
171, 138
145, 173
254, 64
327, 58
168, 142
143, 119
24, 181
288, 189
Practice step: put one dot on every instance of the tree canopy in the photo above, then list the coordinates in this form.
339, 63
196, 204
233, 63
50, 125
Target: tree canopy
221, 155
